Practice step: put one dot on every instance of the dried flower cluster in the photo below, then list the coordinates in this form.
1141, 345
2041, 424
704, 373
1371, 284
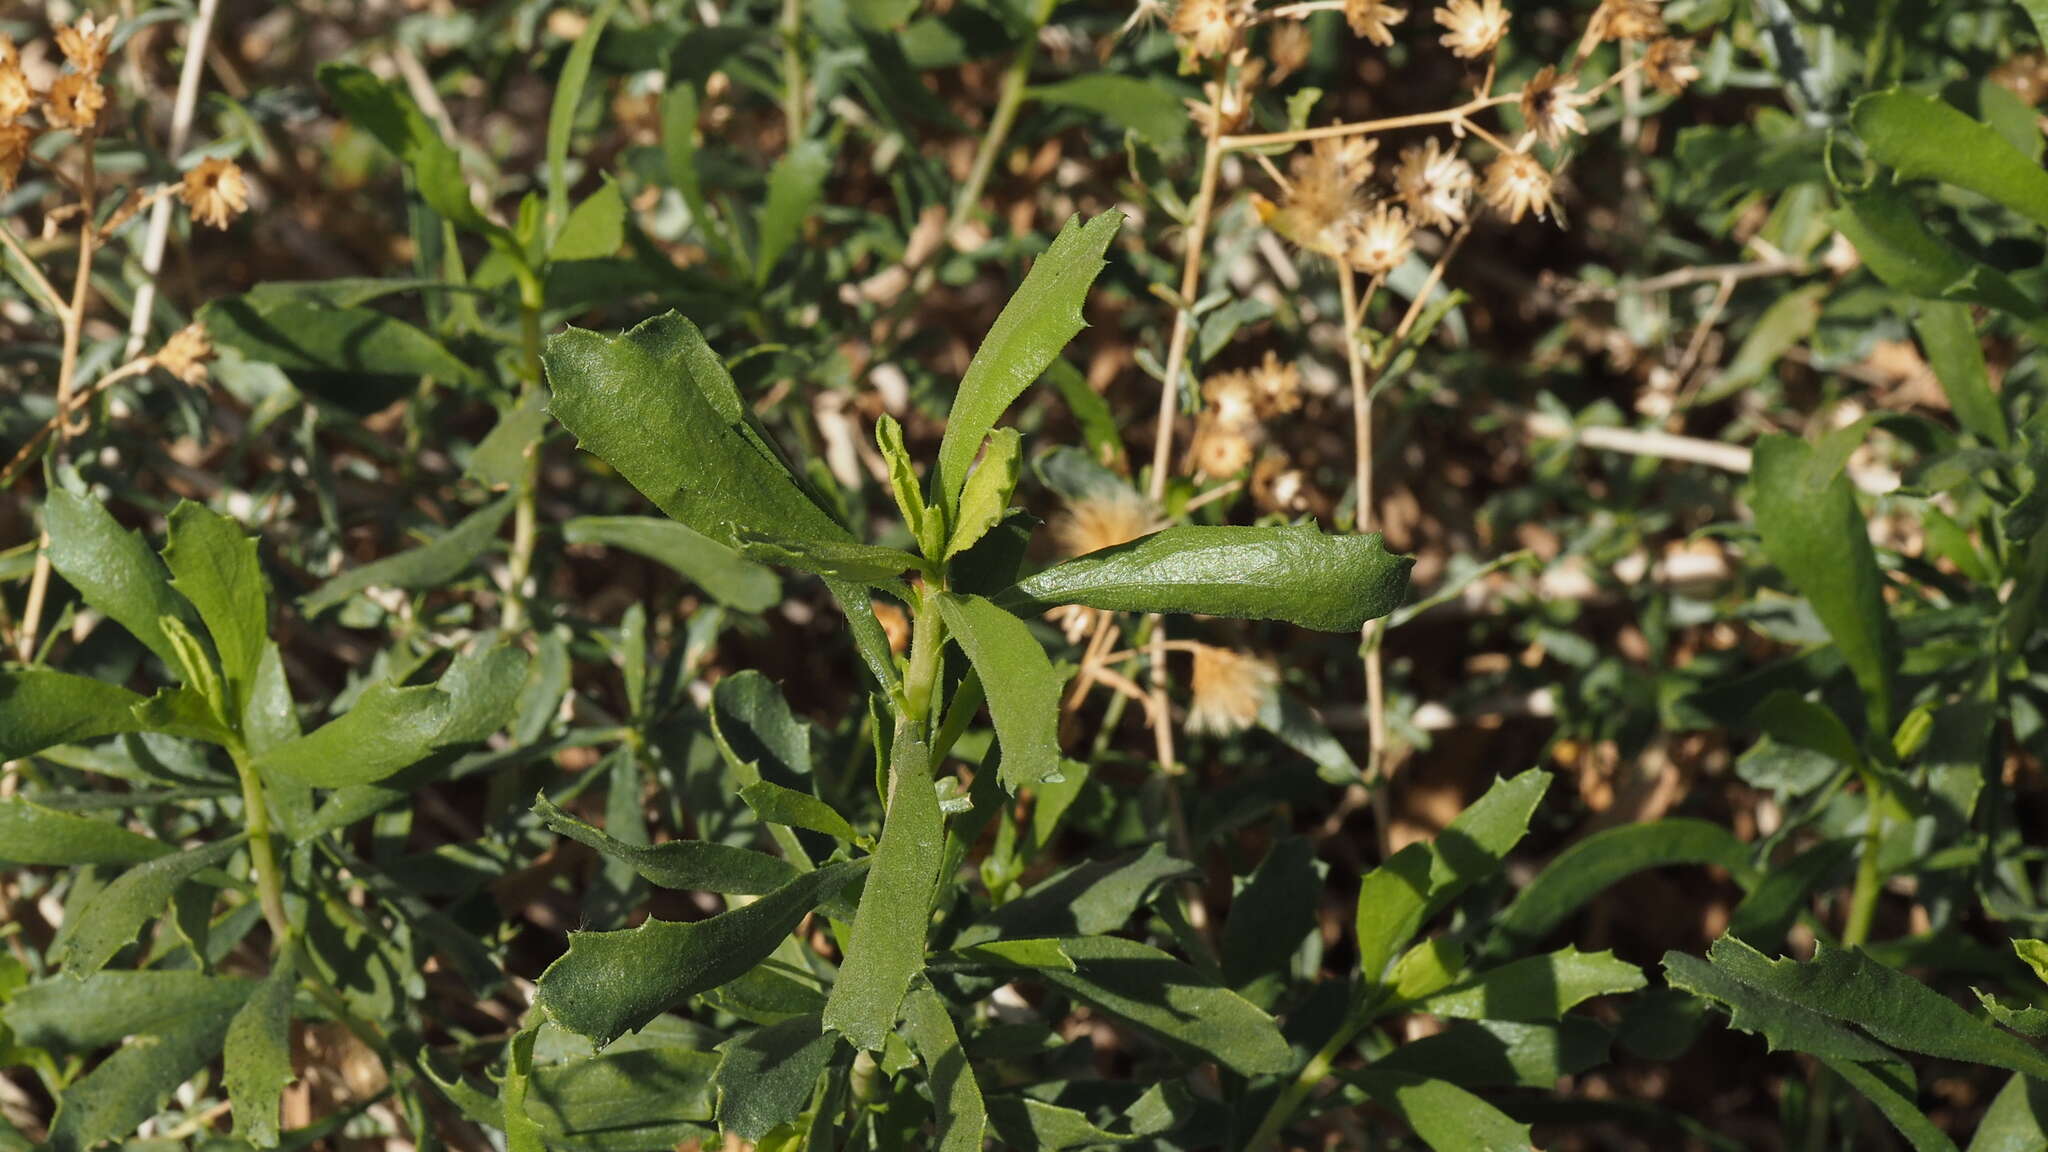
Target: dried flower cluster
1235, 410
1229, 690
216, 191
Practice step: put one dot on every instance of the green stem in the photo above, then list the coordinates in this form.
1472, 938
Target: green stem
1016, 79
793, 68
1869, 878
920, 682
269, 879
1312, 1074
525, 523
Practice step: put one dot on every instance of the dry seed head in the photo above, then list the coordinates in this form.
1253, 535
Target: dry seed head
215, 192
1381, 238
1229, 690
1102, 520
185, 354
75, 101
1550, 106
1324, 192
84, 44
14, 142
1628, 20
1276, 386
1373, 19
1229, 104
1220, 448
16, 98
1668, 66
1472, 27
1288, 48
1517, 185
1435, 183
1210, 28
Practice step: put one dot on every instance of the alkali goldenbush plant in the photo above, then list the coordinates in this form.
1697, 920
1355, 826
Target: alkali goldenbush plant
884, 946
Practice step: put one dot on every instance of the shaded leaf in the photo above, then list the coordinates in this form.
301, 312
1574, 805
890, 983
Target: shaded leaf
428, 566
795, 184
110, 921
956, 1094
725, 575
1924, 137
767, 1076
33, 834
790, 808
688, 865
1023, 690
41, 708
887, 945
1601, 860
1294, 573
258, 1058
1536, 989
213, 564
112, 569
1172, 1001
1443, 1115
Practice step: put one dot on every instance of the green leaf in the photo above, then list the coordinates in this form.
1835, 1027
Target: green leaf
2034, 954
790, 808
33, 834
1396, 898
1088, 899
795, 184
522, 1131
1788, 322
41, 708
643, 1094
610, 983
112, 569
1041, 317
561, 122
327, 349
868, 564
1443, 1115
1536, 989
1022, 688
213, 564
136, 1082
722, 573
389, 114
986, 498
1892, 238
688, 865
657, 404
956, 1095
887, 945
1172, 1001
428, 566
1293, 573
1502, 1054
2017, 1120
499, 461
2025, 1019
754, 725
595, 229
1949, 336
767, 1076
1925, 138
903, 483
1812, 530
1148, 107
1270, 917
1605, 858
110, 920
258, 1057
389, 728
78, 1017
1039, 953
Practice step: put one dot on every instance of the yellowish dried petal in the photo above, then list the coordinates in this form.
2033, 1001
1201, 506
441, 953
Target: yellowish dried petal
1472, 27
75, 102
215, 192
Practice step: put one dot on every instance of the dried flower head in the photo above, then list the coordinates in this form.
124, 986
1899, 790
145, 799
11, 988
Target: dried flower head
1373, 19
1381, 238
1229, 690
215, 192
1472, 27
1276, 385
1324, 192
1668, 66
1435, 183
185, 354
1516, 185
1210, 28
84, 44
1628, 20
75, 101
1550, 106
16, 98
1288, 48
14, 142
1144, 14
1220, 448
2025, 75
1228, 106
1102, 520
1232, 398
9, 54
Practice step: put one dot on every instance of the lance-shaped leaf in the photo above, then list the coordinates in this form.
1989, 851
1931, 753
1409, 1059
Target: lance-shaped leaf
657, 404
869, 564
1293, 573
887, 945
1172, 1001
688, 865
1535, 989
1812, 530
213, 564
1445, 1116
986, 499
1023, 690
112, 569
428, 566
729, 578
1924, 137
42, 707
111, 919
257, 1061
792, 809
1038, 321
33, 834
610, 983
956, 1095
767, 1076
1605, 858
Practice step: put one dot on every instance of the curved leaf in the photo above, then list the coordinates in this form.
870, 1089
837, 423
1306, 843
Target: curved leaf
41, 708
1599, 861
729, 578
1022, 689
689, 865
